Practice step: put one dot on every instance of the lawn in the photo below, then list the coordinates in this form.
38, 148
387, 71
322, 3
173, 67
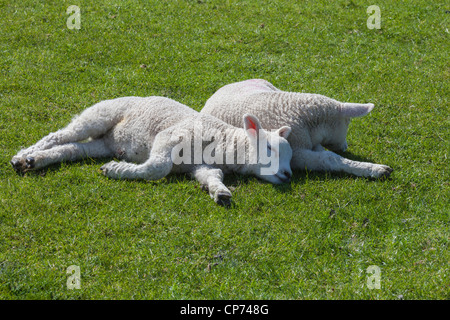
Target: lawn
314, 238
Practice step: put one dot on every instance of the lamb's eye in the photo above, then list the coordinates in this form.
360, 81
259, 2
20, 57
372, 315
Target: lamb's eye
269, 147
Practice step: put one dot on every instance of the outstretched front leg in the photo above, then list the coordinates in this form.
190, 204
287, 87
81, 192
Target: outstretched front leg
330, 161
211, 178
158, 165
155, 168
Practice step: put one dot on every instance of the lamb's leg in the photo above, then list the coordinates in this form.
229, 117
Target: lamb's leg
158, 165
91, 123
330, 161
51, 140
155, 168
318, 148
23, 160
66, 152
211, 178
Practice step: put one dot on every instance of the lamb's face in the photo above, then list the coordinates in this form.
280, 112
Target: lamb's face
279, 152
271, 150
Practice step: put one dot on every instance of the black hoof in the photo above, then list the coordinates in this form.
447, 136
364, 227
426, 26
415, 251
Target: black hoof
104, 170
224, 200
30, 162
20, 165
386, 173
15, 163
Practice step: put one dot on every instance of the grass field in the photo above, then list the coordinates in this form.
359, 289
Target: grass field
312, 239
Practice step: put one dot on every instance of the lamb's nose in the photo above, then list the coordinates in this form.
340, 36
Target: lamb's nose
287, 174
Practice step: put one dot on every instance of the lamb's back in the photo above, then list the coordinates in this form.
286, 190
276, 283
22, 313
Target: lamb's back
274, 108
141, 119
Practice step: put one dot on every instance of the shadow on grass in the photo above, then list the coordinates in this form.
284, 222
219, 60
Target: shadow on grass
232, 180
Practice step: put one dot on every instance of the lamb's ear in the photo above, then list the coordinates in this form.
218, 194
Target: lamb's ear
251, 125
284, 131
352, 110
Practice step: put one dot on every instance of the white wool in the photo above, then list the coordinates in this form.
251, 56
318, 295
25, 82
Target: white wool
143, 132
316, 122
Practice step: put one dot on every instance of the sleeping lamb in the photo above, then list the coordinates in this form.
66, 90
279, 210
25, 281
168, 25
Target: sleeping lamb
316, 121
156, 136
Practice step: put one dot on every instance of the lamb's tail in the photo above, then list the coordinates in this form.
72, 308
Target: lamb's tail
351, 110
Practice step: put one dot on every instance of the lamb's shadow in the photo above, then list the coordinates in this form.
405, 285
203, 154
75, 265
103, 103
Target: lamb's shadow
233, 180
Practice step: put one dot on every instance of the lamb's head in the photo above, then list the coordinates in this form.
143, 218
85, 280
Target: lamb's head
269, 152
336, 137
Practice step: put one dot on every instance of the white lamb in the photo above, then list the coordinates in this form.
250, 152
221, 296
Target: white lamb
149, 132
316, 121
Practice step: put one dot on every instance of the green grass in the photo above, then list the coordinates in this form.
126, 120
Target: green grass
312, 239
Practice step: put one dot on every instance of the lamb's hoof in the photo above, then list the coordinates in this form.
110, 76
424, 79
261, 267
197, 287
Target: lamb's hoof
30, 162
110, 170
223, 198
108, 167
21, 165
104, 170
380, 172
385, 172
16, 164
